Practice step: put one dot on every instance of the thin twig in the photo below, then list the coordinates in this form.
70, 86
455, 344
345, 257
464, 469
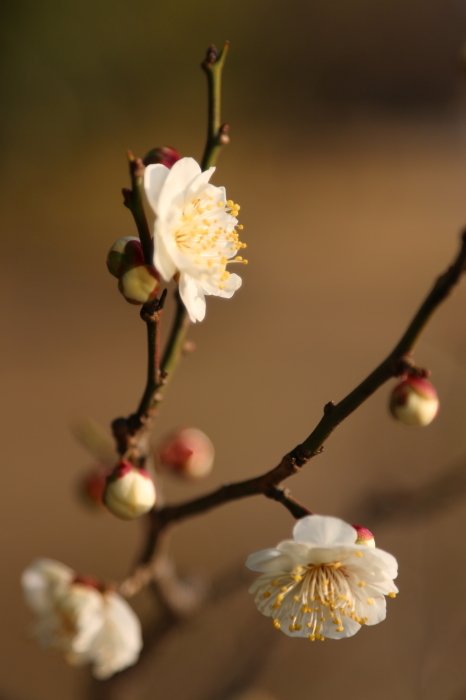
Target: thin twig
396, 362
217, 133
133, 200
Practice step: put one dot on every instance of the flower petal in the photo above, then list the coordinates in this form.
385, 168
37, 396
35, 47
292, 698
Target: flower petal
177, 182
154, 180
192, 296
41, 581
323, 531
162, 260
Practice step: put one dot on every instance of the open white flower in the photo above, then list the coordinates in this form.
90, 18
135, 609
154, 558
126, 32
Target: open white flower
321, 584
194, 232
86, 624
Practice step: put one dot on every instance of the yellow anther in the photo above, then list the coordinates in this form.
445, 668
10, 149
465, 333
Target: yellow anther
296, 598
336, 564
267, 594
311, 637
308, 624
276, 624
221, 286
230, 203
322, 619
284, 589
361, 584
291, 628
293, 617
340, 629
322, 639
237, 206
240, 226
220, 204
274, 582
392, 595
206, 222
209, 207
298, 627
326, 581
276, 605
297, 577
370, 601
358, 554
239, 258
234, 212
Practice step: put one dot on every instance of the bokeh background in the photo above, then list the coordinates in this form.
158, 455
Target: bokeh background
348, 157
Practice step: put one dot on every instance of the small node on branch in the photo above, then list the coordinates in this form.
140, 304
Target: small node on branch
328, 408
188, 347
211, 57
224, 134
127, 197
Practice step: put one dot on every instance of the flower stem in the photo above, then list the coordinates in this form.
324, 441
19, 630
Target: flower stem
217, 133
133, 199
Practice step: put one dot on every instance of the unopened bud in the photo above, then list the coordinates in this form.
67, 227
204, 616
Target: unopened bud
165, 155
130, 492
139, 284
124, 254
92, 486
364, 536
188, 453
414, 401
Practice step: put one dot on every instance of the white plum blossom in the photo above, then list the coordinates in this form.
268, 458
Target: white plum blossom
194, 232
80, 620
321, 584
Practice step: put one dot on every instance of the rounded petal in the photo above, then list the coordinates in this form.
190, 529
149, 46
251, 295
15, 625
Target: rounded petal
177, 182
119, 642
163, 262
192, 296
42, 580
323, 531
154, 180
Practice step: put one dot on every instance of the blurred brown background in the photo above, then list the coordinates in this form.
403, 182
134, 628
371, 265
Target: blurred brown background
348, 157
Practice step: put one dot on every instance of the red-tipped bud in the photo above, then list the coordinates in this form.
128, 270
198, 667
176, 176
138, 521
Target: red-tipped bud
129, 492
364, 536
139, 285
124, 254
188, 453
414, 401
92, 486
165, 155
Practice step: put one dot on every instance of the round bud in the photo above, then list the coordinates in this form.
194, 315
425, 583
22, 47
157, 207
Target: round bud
414, 401
188, 453
92, 486
129, 492
364, 536
124, 253
165, 155
139, 284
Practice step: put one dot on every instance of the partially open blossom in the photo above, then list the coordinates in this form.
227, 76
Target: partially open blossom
124, 254
86, 624
194, 232
322, 584
166, 155
188, 453
139, 285
130, 492
414, 401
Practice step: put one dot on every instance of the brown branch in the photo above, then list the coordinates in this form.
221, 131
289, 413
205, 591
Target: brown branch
395, 364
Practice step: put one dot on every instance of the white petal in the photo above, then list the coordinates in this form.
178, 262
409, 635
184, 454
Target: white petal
192, 296
154, 180
162, 260
323, 531
42, 580
255, 560
199, 185
120, 641
375, 611
178, 180
350, 627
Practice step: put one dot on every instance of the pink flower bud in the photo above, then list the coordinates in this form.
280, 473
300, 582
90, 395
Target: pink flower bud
130, 492
414, 401
188, 453
124, 253
139, 284
364, 536
165, 155
92, 486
